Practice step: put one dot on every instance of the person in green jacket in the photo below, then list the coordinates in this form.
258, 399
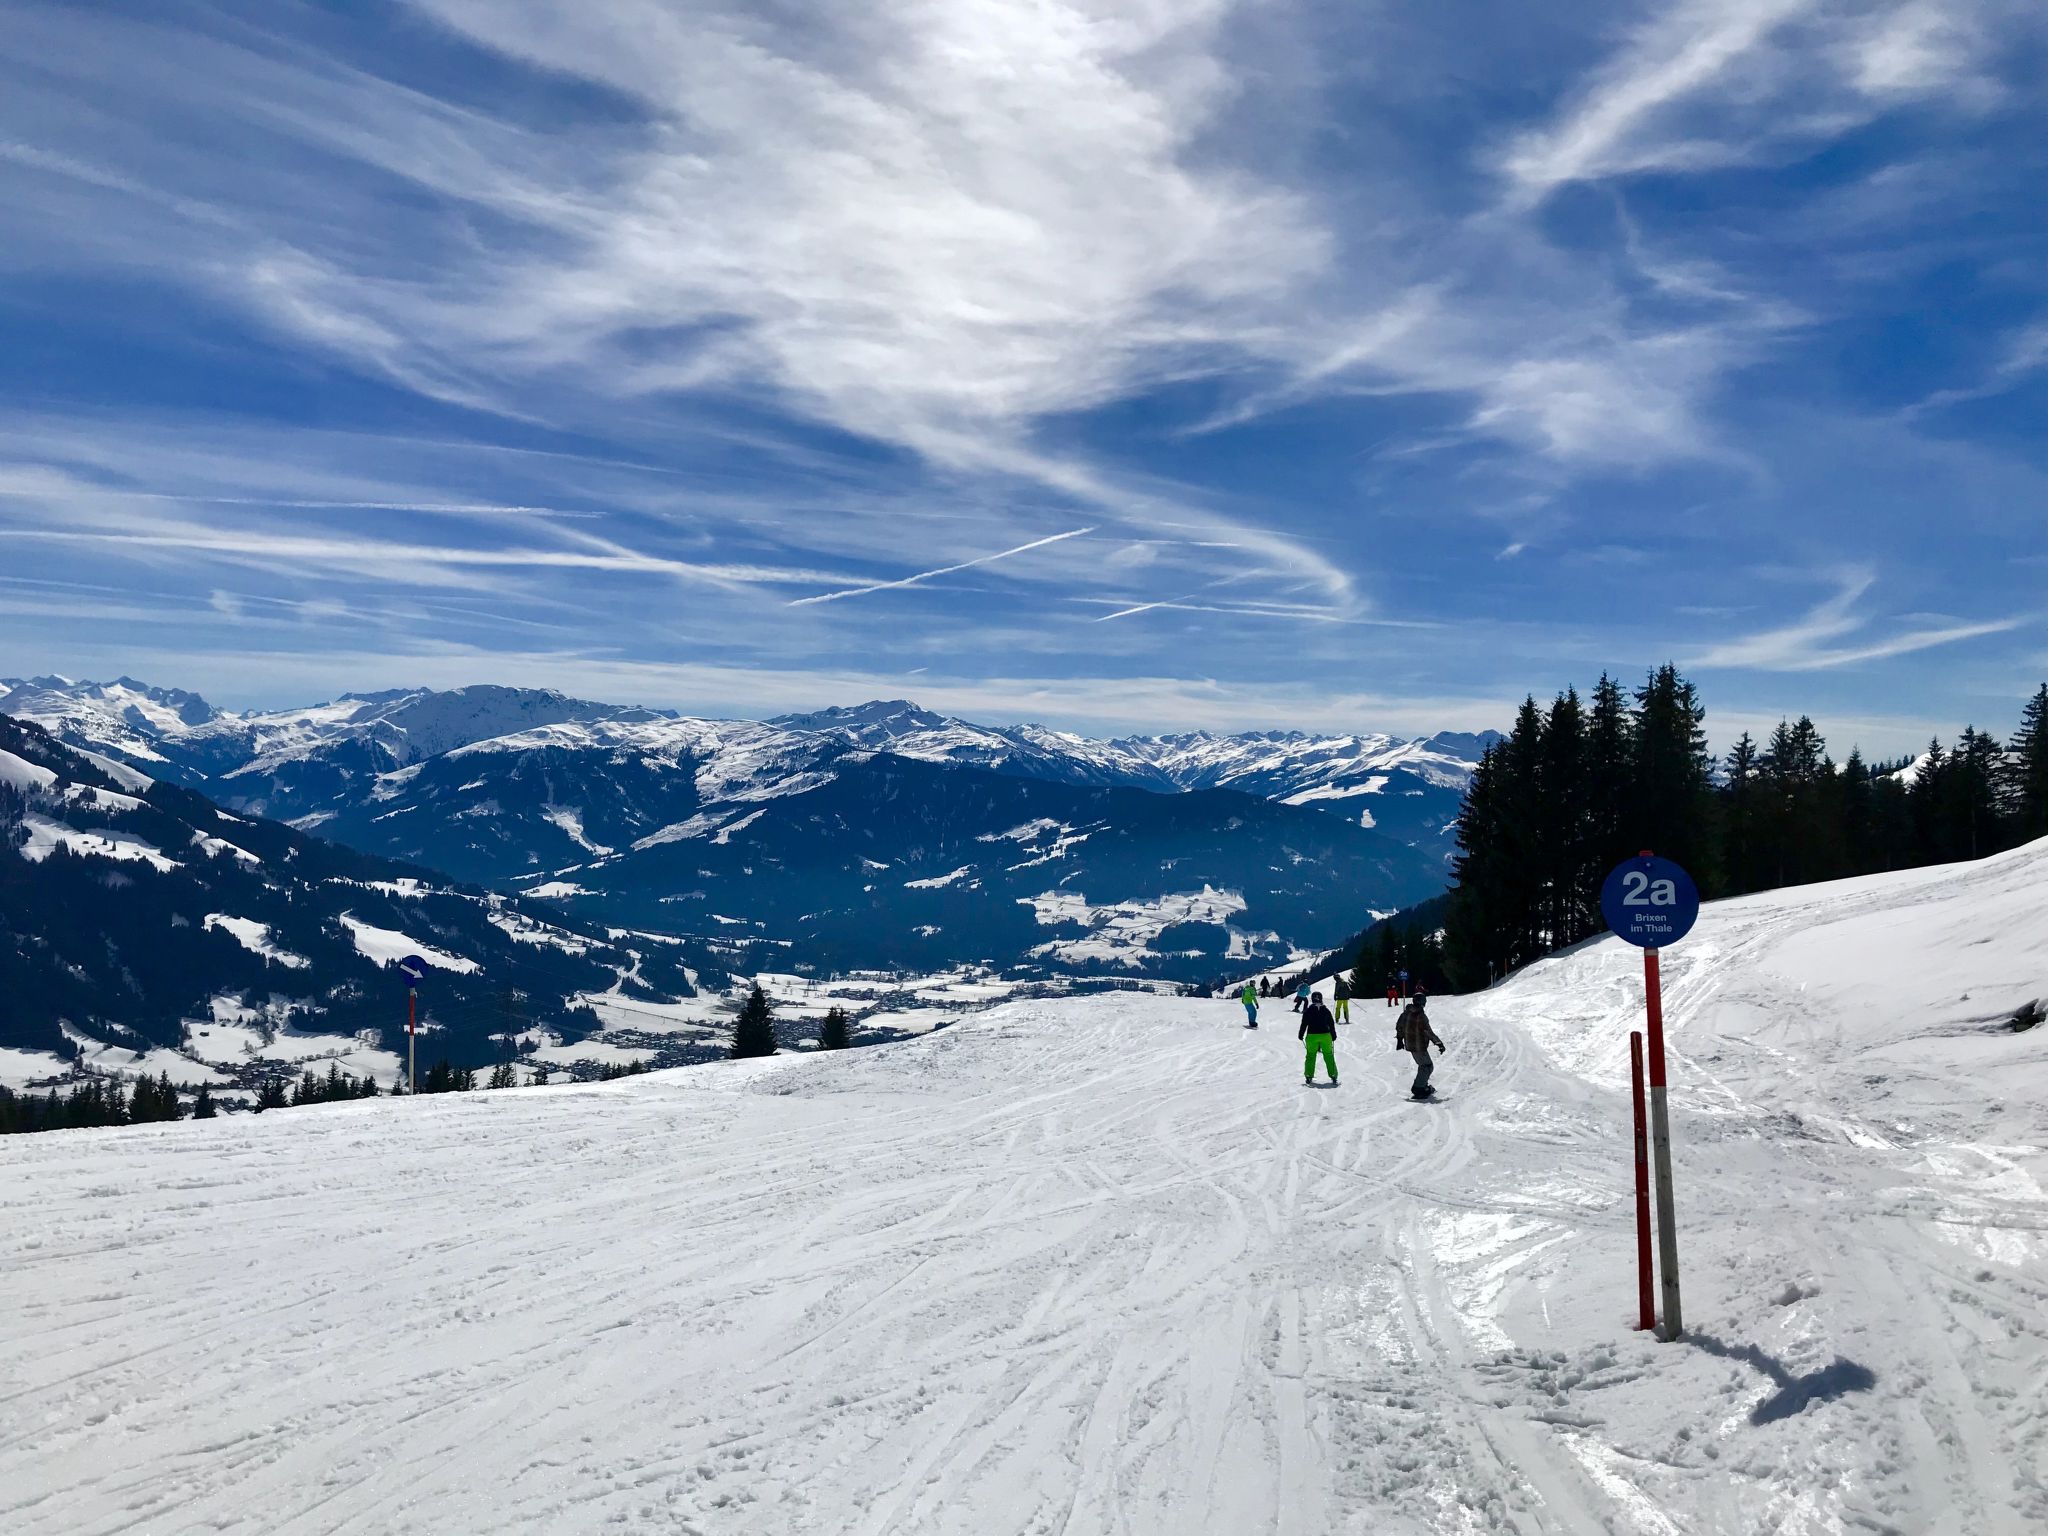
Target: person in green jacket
1342, 987
1319, 1033
1250, 998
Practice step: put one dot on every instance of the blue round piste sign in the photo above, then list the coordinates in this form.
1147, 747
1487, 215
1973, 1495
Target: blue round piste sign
413, 969
1650, 902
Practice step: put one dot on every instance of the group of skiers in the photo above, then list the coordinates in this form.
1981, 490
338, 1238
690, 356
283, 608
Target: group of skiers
1318, 1029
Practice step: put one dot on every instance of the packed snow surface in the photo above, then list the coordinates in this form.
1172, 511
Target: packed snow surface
1105, 1264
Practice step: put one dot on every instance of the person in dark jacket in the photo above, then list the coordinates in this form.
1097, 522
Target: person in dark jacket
1413, 1035
1319, 1033
1342, 987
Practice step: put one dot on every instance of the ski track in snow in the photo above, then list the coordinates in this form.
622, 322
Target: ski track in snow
1073, 1267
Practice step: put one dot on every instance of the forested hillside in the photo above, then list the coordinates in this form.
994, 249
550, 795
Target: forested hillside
1582, 784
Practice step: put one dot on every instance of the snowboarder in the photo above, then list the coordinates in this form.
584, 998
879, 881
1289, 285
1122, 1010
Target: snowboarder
1413, 1035
1319, 1033
1301, 997
1250, 998
1342, 988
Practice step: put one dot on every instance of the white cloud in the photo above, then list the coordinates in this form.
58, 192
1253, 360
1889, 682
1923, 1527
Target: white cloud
1710, 83
1805, 646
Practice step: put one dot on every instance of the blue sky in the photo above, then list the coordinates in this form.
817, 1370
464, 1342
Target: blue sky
1124, 364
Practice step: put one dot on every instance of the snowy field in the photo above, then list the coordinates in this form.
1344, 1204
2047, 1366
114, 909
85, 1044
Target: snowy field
1104, 1265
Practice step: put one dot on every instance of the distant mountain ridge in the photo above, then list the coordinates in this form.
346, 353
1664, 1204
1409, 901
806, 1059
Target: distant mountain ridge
877, 834
137, 916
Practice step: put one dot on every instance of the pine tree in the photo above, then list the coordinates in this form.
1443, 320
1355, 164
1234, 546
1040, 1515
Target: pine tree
202, 1106
2026, 775
1610, 769
1572, 889
753, 1032
1673, 777
834, 1034
1741, 817
1970, 809
270, 1094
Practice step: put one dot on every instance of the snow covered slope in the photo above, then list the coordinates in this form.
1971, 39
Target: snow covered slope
1104, 1265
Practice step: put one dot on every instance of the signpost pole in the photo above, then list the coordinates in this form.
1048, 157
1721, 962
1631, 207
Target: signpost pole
1660, 1139
1646, 1285
412, 1050
1650, 902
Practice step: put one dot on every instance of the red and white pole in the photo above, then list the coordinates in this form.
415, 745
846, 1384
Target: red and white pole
1646, 1284
1660, 1139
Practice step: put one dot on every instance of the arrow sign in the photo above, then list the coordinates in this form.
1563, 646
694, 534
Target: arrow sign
413, 969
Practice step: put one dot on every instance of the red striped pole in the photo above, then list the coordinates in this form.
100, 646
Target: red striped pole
1660, 1147
1646, 1285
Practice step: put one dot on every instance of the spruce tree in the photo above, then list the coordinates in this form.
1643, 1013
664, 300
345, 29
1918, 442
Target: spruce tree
1673, 775
1572, 885
202, 1106
1610, 769
2026, 774
834, 1034
753, 1032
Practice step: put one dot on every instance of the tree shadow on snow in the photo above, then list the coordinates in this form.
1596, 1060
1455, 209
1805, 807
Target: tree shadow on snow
1795, 1393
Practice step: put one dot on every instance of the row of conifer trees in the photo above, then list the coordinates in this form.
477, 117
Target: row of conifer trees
1583, 784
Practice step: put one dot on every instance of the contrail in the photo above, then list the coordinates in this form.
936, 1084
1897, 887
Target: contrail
944, 570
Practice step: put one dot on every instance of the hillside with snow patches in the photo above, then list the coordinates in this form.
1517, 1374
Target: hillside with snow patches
881, 836
145, 930
1106, 1265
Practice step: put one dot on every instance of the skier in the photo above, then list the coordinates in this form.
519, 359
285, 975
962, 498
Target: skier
1301, 997
1250, 998
1342, 987
1319, 1033
1421, 995
1393, 993
1413, 1035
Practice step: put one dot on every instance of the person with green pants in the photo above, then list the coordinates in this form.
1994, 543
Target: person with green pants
1319, 1033
1342, 987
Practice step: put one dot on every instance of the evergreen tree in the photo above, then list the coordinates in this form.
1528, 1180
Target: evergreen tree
202, 1106
2026, 775
1572, 888
1610, 771
1673, 779
270, 1094
501, 1076
1969, 812
1742, 810
834, 1034
1928, 795
753, 1032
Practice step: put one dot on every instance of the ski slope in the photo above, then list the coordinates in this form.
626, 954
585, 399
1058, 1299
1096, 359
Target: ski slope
1104, 1265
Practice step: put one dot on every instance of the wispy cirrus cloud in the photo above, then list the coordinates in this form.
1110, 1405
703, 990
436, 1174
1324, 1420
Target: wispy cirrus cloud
663, 313
1834, 633
1712, 83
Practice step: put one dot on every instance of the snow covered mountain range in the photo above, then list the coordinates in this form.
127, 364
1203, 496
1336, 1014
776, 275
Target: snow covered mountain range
139, 920
883, 834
